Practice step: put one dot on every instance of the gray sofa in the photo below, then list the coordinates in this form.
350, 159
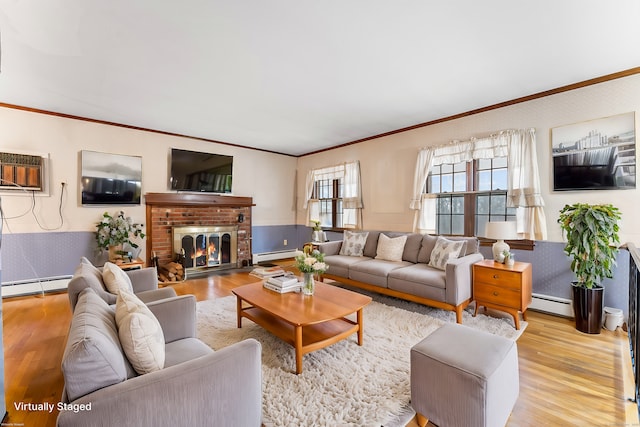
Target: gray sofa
196, 387
411, 278
144, 282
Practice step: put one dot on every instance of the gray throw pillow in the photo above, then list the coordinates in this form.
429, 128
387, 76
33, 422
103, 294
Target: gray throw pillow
93, 358
444, 251
353, 243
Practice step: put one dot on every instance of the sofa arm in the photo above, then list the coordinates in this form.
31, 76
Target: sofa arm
177, 316
156, 294
330, 248
223, 388
143, 279
458, 278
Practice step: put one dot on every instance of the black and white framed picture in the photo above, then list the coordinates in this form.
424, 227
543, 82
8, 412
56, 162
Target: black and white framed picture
110, 179
597, 154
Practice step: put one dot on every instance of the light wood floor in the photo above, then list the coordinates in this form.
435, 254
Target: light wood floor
566, 377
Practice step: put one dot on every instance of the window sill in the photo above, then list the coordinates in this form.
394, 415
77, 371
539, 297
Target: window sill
524, 245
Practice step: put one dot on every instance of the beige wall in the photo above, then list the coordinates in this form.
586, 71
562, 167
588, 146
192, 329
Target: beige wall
387, 164
266, 177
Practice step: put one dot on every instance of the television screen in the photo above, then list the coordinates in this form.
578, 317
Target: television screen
203, 172
110, 179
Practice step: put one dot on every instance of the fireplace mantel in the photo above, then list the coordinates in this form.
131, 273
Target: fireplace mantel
196, 199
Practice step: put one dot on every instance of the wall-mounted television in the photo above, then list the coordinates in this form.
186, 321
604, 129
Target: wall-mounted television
202, 172
110, 179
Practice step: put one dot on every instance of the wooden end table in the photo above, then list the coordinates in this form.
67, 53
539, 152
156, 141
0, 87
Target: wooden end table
502, 287
134, 264
308, 323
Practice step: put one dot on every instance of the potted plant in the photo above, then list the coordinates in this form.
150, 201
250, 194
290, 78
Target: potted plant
113, 231
592, 245
317, 235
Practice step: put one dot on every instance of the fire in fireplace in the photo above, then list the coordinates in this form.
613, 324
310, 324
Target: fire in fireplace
206, 246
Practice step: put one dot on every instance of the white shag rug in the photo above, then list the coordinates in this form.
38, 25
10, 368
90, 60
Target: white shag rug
343, 384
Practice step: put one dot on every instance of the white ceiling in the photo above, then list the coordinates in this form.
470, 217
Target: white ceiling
299, 76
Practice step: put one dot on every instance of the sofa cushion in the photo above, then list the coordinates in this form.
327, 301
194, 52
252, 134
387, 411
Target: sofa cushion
353, 243
183, 350
426, 247
390, 248
93, 358
140, 333
339, 264
412, 247
420, 273
89, 268
372, 244
88, 276
419, 280
444, 251
471, 246
115, 278
374, 271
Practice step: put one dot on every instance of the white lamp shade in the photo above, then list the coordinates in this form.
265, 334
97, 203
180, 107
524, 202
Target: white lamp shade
500, 231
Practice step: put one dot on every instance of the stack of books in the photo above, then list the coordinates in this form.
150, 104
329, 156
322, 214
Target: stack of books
266, 272
283, 283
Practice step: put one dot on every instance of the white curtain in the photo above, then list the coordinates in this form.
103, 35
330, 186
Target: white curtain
524, 185
352, 193
352, 196
519, 146
423, 165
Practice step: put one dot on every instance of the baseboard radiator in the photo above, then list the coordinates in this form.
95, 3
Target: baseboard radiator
552, 305
270, 256
34, 286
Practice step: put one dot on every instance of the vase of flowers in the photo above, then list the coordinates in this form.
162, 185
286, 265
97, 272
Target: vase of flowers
113, 231
310, 263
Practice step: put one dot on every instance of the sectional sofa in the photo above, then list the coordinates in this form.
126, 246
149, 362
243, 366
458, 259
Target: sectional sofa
427, 269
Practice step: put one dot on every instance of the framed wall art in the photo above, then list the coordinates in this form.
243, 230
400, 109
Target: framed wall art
110, 179
595, 155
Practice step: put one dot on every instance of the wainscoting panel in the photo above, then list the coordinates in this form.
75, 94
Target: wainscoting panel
29, 256
271, 238
552, 275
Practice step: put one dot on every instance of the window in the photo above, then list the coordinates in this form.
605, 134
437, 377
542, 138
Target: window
469, 194
329, 194
334, 196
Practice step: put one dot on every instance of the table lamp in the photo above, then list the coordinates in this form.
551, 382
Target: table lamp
500, 231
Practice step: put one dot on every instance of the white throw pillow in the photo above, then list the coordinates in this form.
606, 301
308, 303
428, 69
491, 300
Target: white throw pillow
353, 243
444, 251
390, 248
115, 278
140, 334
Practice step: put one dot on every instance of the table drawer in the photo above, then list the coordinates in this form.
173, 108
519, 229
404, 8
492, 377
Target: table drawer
492, 276
506, 297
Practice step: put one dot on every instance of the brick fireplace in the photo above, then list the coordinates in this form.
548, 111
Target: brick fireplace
168, 211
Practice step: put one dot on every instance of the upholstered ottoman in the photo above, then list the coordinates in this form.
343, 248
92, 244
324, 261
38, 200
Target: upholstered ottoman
464, 377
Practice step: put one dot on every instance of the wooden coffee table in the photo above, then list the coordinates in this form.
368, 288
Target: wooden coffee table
308, 323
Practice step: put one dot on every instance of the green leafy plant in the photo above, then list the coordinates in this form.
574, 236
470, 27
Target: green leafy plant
592, 240
114, 230
316, 226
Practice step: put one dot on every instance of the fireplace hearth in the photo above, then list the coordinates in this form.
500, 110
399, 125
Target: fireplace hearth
206, 247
